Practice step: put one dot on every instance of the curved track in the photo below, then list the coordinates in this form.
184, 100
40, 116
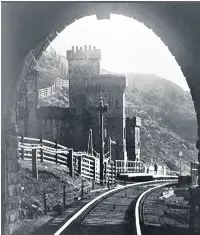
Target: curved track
110, 213
153, 220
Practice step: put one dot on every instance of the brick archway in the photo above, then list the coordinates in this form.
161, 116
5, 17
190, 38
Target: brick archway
29, 27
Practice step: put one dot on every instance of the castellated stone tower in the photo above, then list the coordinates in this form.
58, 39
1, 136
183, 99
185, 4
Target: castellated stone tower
82, 62
86, 86
111, 88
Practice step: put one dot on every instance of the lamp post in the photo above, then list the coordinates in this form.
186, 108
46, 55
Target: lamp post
102, 109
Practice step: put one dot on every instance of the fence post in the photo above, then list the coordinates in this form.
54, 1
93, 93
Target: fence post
71, 165
56, 142
80, 165
45, 202
22, 149
112, 174
34, 163
82, 189
115, 168
108, 182
64, 195
41, 150
105, 172
93, 184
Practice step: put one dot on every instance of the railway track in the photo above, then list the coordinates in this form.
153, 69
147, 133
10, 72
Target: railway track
110, 213
152, 218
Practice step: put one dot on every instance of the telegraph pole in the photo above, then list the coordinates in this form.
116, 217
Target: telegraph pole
102, 109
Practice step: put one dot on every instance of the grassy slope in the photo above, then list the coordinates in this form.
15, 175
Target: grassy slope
51, 178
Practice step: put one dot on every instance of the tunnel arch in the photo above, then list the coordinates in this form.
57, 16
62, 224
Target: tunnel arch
165, 19
146, 13
29, 27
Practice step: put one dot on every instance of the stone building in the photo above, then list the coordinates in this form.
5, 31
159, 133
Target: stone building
71, 125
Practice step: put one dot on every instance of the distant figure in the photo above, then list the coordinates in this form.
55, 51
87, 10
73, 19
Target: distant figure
148, 170
156, 168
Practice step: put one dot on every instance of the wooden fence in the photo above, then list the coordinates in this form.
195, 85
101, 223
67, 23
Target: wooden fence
48, 91
79, 163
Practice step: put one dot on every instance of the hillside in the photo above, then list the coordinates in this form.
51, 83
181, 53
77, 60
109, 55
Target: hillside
51, 178
164, 101
167, 112
50, 66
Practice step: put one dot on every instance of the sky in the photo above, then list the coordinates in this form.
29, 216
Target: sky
126, 44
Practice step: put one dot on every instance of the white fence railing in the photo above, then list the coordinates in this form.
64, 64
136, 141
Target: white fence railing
49, 91
80, 163
129, 166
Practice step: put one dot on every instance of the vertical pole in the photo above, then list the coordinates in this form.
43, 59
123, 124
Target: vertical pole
93, 184
90, 143
115, 168
108, 182
80, 165
34, 163
112, 174
105, 170
56, 142
101, 149
82, 189
22, 149
41, 150
45, 202
94, 176
64, 195
70, 161
110, 147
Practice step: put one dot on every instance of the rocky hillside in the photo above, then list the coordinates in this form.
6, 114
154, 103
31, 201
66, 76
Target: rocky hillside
167, 112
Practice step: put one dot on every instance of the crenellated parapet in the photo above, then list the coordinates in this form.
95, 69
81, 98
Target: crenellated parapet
84, 53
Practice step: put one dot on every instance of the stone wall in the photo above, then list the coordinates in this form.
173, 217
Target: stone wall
11, 192
64, 125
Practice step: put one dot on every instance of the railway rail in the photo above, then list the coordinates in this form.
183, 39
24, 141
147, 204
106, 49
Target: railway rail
155, 216
116, 211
